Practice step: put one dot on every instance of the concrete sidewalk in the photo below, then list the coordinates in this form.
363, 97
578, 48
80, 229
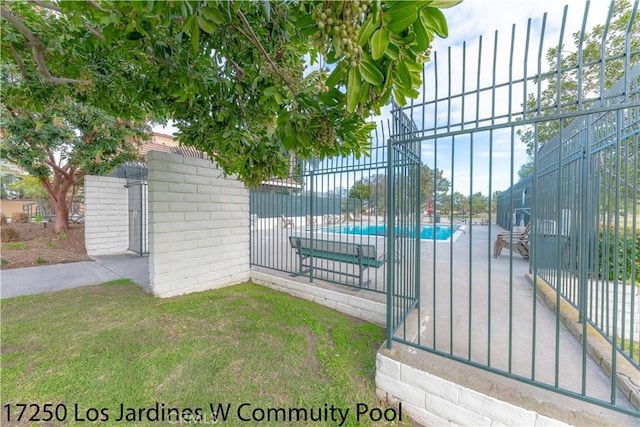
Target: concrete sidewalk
51, 278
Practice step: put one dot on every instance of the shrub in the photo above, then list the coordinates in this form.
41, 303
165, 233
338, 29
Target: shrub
3, 219
626, 261
10, 234
20, 217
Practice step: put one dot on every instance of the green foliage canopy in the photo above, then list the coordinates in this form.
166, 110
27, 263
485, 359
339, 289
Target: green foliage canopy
230, 74
63, 142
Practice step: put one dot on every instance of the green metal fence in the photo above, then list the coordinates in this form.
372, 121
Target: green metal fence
473, 295
514, 205
339, 199
482, 299
585, 236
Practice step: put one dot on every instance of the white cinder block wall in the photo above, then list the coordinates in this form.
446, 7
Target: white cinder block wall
431, 400
198, 226
106, 204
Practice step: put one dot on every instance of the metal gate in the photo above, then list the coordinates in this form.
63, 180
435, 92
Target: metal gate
579, 116
138, 223
405, 222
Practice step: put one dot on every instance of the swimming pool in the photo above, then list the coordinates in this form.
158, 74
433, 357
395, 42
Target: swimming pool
442, 232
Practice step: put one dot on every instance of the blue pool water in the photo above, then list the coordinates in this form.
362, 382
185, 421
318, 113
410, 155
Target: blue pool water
442, 232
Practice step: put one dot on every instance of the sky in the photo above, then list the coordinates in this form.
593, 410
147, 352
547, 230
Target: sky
484, 161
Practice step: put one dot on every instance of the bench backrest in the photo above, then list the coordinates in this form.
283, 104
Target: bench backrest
368, 251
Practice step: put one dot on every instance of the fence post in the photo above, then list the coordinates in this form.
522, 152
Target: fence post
311, 178
390, 242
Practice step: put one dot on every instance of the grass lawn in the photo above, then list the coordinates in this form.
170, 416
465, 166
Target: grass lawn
89, 350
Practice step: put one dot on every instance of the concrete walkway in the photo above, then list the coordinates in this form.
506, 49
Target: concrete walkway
51, 278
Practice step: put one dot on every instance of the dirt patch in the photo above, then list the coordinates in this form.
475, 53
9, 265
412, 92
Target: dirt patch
39, 245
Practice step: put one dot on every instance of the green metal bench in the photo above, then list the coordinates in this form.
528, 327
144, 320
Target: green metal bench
364, 256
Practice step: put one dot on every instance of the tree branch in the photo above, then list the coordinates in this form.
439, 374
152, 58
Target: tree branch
18, 58
38, 48
47, 186
51, 6
95, 32
72, 197
251, 35
47, 5
237, 67
52, 163
95, 5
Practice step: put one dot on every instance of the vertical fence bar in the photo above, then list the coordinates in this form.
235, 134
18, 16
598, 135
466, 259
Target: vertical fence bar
491, 133
390, 243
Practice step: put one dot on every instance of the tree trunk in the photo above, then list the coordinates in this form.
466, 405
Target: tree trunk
62, 214
58, 190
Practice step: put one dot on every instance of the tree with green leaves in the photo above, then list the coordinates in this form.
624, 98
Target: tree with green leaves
430, 181
479, 203
460, 202
372, 191
361, 190
575, 96
526, 170
61, 144
232, 75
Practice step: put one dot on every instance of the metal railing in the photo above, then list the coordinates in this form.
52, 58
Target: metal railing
337, 199
580, 118
466, 139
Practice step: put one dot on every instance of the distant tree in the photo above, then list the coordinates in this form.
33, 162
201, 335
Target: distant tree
29, 186
570, 92
61, 144
526, 170
372, 190
479, 203
460, 202
444, 204
427, 181
361, 190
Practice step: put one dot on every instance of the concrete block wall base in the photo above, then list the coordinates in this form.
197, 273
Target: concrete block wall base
434, 390
339, 298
